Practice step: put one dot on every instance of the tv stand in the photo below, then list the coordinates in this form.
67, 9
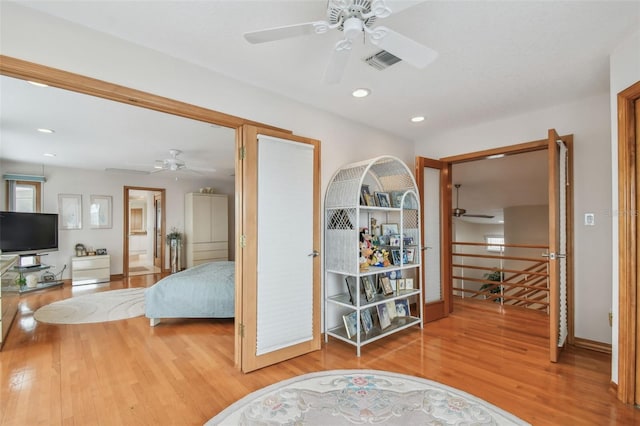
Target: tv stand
40, 285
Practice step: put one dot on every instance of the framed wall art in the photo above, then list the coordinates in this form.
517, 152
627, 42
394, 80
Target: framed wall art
70, 211
100, 212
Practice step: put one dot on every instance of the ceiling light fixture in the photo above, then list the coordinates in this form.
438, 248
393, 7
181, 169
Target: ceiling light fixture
361, 93
417, 119
493, 157
43, 130
49, 154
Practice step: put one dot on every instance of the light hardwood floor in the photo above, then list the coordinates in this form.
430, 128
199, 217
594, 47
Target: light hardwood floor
181, 372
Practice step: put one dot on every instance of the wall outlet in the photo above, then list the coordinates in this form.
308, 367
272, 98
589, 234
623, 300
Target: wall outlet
589, 219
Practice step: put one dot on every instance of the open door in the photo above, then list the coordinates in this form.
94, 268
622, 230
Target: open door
559, 177
280, 278
434, 184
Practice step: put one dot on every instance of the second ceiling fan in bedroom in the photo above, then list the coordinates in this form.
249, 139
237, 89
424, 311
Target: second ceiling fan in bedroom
354, 18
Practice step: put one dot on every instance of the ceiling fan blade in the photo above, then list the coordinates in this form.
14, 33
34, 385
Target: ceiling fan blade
403, 47
338, 62
289, 31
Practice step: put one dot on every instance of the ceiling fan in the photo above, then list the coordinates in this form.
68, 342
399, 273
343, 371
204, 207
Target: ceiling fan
354, 18
172, 164
458, 212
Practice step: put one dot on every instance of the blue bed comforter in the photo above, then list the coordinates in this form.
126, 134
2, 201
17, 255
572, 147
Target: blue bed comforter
203, 291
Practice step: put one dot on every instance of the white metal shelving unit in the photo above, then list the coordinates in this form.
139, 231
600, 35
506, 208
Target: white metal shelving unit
344, 217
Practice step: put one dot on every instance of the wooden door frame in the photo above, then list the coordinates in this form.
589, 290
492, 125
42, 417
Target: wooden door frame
627, 244
125, 224
540, 145
440, 308
24, 70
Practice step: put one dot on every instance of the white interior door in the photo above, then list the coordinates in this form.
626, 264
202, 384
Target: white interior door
281, 266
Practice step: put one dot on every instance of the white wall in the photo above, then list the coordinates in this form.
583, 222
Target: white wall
86, 183
624, 70
588, 120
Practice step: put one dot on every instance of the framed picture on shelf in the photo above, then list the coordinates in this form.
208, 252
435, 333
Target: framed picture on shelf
396, 198
389, 229
383, 199
396, 259
394, 240
369, 289
402, 284
383, 315
352, 288
408, 283
364, 192
351, 323
410, 254
402, 308
367, 320
391, 308
385, 285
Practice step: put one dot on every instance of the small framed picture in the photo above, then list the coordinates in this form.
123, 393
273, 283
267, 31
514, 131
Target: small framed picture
402, 308
391, 308
369, 290
364, 192
396, 198
410, 255
367, 320
394, 284
369, 200
402, 284
394, 240
383, 199
389, 229
351, 323
352, 288
385, 285
383, 315
396, 259
408, 283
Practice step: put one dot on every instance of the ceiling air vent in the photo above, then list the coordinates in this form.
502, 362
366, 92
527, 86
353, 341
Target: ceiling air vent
382, 60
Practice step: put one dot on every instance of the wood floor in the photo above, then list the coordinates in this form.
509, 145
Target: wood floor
181, 372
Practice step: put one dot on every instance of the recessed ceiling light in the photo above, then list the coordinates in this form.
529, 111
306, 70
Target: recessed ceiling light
417, 118
43, 130
501, 221
49, 154
361, 93
493, 157
35, 83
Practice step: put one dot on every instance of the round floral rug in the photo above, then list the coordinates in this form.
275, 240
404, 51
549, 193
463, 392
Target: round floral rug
347, 397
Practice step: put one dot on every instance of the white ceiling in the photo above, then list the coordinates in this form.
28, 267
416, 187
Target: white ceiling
496, 58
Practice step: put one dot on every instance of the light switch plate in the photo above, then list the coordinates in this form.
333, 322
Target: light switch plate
589, 219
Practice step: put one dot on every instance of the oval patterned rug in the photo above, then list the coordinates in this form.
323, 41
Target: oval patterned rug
103, 306
347, 397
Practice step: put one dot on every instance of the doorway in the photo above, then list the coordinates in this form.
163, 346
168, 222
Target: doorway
144, 212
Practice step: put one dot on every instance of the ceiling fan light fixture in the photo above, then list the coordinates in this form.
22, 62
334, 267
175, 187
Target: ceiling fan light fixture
361, 92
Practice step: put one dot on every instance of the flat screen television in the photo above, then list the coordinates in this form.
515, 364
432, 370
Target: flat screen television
28, 233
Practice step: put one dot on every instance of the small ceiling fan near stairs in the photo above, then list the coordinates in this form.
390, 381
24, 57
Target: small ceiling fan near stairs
354, 18
458, 212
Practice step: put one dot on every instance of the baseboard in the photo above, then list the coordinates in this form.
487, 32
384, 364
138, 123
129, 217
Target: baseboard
592, 345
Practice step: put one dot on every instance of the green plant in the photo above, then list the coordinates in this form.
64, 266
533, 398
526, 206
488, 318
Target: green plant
498, 276
174, 235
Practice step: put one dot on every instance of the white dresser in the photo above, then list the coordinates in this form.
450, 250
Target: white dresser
90, 269
206, 228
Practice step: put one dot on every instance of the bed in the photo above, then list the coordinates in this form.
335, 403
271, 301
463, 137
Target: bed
203, 291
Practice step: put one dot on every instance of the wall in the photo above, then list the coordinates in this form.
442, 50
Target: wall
588, 120
85, 182
624, 71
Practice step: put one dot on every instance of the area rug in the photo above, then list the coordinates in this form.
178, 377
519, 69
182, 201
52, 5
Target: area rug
347, 397
95, 307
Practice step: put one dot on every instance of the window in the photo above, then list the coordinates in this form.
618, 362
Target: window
23, 196
494, 243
